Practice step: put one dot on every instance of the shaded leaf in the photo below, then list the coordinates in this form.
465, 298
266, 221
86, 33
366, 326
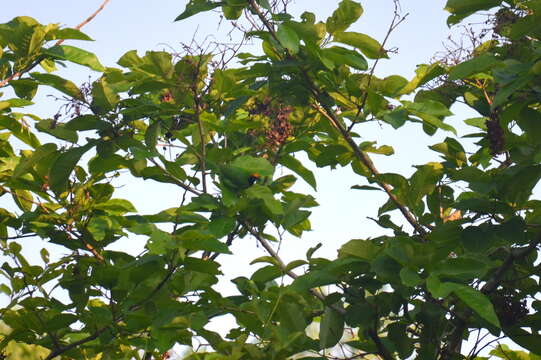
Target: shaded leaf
331, 328
64, 165
296, 166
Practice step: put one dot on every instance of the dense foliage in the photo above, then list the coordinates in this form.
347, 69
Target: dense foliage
465, 230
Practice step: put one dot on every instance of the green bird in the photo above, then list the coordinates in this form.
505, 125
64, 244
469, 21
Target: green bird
244, 171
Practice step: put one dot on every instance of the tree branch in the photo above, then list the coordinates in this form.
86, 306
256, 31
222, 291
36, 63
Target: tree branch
328, 113
73, 345
175, 180
267, 246
95, 335
365, 159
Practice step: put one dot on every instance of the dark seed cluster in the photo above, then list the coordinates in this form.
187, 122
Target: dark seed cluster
279, 127
509, 307
495, 136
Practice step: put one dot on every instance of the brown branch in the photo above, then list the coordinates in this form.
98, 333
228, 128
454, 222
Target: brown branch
59, 42
96, 334
330, 115
202, 158
89, 247
73, 345
175, 180
263, 19
267, 246
18, 237
365, 159
37, 203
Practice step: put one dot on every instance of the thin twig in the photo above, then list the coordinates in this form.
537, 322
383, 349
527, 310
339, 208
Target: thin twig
328, 113
397, 20
267, 246
175, 180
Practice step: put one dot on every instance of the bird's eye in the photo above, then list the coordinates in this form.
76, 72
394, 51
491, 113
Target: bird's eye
253, 178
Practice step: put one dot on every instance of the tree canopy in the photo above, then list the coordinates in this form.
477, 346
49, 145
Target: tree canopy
457, 254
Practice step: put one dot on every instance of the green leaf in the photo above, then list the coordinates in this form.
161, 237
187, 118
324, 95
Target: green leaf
424, 181
342, 56
525, 339
262, 192
478, 302
116, 206
104, 98
65, 86
365, 187
368, 45
434, 123
423, 74
473, 66
331, 328
397, 117
23, 199
347, 13
466, 6
24, 88
68, 33
44, 254
266, 274
98, 226
232, 12
391, 85
364, 249
264, 4
368, 146
197, 6
463, 268
429, 107
463, 8
222, 226
64, 165
288, 38
75, 55
59, 131
27, 163
297, 167
86, 122
309, 32
203, 266
409, 277
152, 133
21, 132
197, 240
